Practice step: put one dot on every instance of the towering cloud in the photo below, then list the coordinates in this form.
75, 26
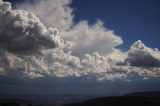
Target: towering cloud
81, 37
22, 32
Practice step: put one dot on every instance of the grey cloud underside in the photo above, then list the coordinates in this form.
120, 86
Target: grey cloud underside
22, 32
23, 46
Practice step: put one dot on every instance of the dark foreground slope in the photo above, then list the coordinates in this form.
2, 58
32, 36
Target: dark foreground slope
41, 100
135, 99
120, 101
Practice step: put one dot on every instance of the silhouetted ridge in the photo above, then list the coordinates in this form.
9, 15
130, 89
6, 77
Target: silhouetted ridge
133, 99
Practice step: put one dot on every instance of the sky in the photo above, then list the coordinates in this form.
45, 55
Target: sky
79, 47
130, 19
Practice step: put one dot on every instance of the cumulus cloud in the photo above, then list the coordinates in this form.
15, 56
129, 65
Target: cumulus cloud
81, 37
87, 55
22, 32
87, 38
141, 56
53, 13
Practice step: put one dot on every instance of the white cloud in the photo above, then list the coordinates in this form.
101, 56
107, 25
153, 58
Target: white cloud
22, 32
101, 61
87, 38
53, 13
82, 37
141, 56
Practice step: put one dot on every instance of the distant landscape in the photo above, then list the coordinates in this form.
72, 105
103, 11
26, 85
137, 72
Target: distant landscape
132, 99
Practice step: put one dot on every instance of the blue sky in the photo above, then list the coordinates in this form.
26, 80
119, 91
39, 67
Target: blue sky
130, 19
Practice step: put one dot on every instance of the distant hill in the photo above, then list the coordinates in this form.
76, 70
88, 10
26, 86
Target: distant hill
145, 94
133, 99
